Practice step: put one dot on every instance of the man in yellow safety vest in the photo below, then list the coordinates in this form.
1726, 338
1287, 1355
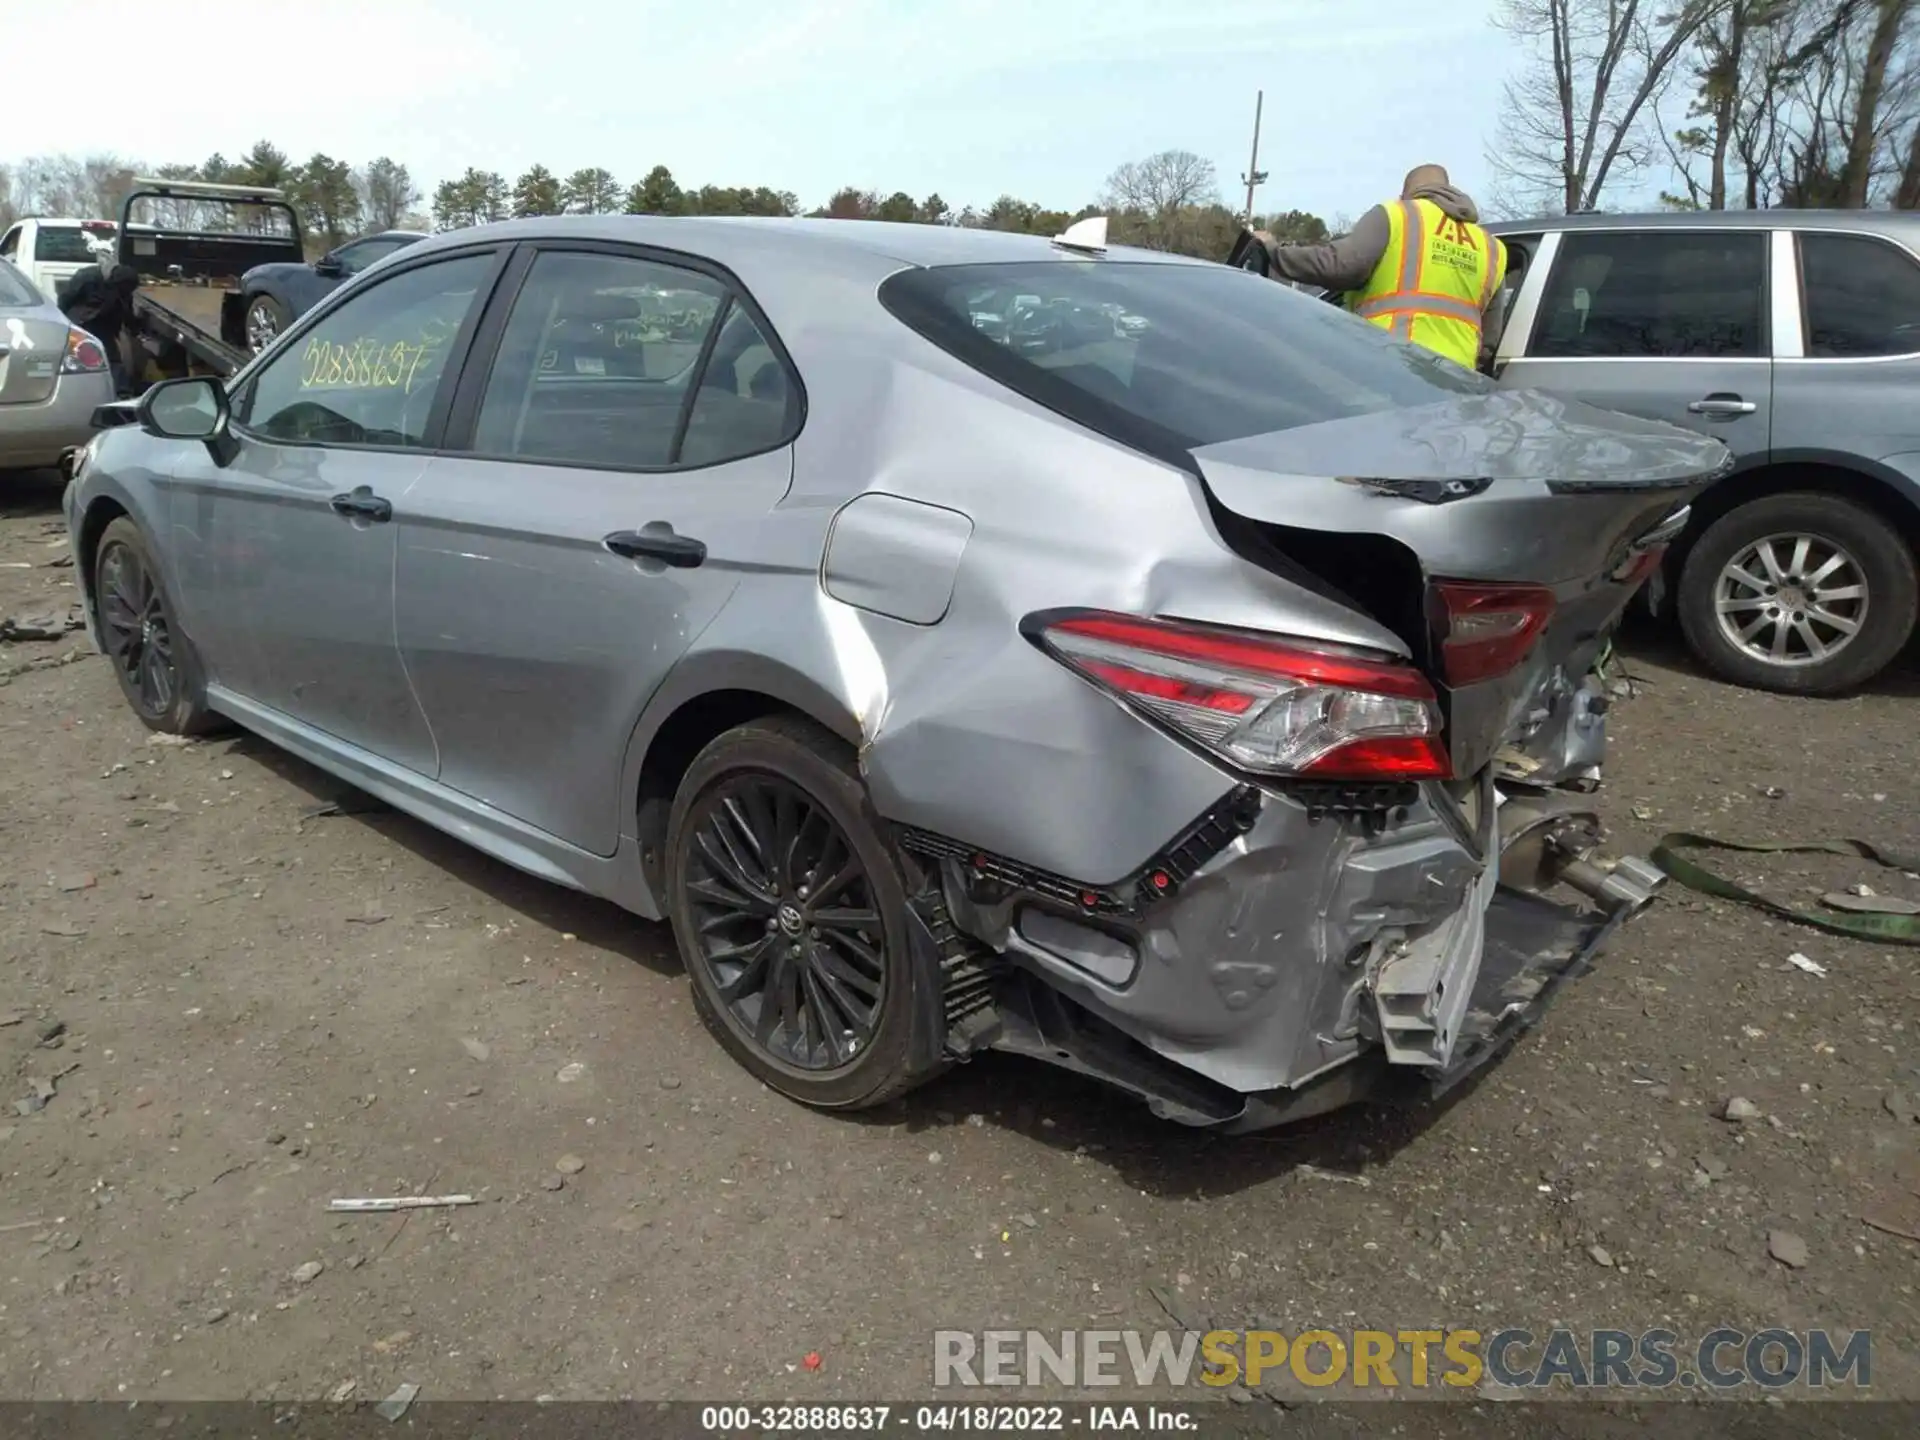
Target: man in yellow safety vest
1419, 267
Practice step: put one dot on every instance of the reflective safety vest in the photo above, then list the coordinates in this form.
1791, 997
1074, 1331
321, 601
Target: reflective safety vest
1434, 280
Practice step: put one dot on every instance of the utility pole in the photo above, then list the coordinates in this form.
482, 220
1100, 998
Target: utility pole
1255, 175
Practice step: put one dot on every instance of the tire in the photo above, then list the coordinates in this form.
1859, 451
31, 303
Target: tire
1877, 561
159, 673
750, 766
266, 317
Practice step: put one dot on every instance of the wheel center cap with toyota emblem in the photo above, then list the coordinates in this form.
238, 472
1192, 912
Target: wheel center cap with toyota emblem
791, 920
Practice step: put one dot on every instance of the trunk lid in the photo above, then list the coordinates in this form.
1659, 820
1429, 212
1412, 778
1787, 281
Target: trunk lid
1509, 486
31, 349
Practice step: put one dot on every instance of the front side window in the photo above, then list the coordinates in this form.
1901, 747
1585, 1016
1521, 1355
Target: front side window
1863, 297
367, 373
597, 362
10, 247
1678, 294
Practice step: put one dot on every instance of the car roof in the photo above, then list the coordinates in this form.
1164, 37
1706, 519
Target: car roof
1868, 222
759, 236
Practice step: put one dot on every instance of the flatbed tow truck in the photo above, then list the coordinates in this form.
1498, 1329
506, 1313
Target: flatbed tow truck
190, 242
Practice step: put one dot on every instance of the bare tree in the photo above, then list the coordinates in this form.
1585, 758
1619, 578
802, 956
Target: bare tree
1161, 195
1846, 96
1907, 197
1575, 118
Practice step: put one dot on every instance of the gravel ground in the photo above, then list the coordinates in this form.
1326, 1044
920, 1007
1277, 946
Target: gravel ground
246, 1008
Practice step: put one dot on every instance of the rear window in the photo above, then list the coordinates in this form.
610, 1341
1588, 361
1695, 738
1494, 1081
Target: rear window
1168, 357
63, 243
14, 289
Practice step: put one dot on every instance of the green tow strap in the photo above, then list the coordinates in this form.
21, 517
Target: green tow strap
1889, 927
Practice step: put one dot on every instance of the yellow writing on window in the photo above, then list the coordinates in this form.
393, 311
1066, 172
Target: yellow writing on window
362, 364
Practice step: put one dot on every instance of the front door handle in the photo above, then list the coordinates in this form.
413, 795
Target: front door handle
681, 551
361, 503
1723, 406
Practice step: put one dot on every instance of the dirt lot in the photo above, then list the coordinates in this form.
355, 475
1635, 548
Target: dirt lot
265, 1008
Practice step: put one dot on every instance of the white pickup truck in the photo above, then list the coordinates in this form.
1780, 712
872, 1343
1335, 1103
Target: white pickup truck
49, 251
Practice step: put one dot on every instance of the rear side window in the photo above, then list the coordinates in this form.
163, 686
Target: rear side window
1696, 294
14, 289
63, 244
597, 362
1863, 297
1168, 357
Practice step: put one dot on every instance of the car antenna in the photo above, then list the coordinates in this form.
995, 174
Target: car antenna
1088, 235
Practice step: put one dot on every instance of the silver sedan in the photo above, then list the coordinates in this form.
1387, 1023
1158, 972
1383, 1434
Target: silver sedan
1203, 704
52, 376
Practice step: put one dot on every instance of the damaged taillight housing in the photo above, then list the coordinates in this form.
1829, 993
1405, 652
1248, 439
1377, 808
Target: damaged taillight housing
1263, 704
1486, 630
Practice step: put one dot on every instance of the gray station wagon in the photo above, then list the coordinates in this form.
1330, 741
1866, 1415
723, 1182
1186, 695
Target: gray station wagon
1794, 337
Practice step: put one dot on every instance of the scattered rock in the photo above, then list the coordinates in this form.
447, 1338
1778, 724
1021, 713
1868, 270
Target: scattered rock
1600, 1256
67, 1241
1712, 1166
669, 1082
553, 1182
342, 1392
570, 1073
43, 625
933, 1157
214, 1316
395, 1405
72, 884
308, 1273
51, 1034
1788, 1248
1900, 1105
1738, 1110
478, 1049
1028, 1221
11, 1017
569, 1164
398, 1340
276, 1137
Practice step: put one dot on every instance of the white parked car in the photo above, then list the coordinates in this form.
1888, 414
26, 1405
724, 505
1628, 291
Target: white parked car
49, 251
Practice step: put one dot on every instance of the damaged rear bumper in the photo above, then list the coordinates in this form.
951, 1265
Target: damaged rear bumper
1314, 959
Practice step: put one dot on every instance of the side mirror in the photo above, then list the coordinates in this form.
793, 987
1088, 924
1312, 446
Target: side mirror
191, 409
329, 265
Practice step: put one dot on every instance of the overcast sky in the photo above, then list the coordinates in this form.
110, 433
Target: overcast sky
970, 98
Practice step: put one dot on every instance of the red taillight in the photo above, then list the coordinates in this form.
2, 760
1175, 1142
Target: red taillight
85, 356
1486, 630
1262, 704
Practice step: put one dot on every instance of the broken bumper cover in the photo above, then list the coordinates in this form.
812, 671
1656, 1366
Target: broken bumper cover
1534, 946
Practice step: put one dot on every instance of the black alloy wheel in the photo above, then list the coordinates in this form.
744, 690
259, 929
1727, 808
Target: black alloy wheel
788, 927
790, 908
139, 640
155, 664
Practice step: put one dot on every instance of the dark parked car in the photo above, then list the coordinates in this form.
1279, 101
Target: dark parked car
1794, 336
278, 294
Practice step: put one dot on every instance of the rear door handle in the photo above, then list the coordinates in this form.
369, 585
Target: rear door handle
1723, 405
681, 551
362, 504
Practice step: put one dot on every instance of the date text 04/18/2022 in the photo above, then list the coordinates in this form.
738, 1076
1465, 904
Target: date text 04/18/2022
940, 1418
